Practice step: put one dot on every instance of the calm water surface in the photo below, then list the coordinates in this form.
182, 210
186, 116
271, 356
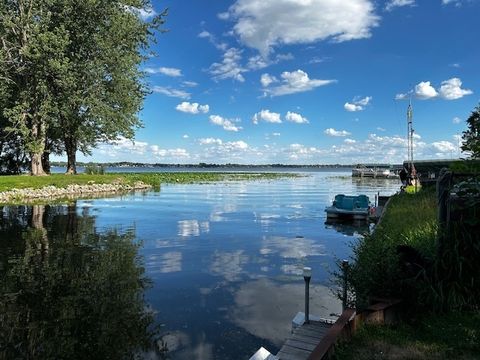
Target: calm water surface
214, 270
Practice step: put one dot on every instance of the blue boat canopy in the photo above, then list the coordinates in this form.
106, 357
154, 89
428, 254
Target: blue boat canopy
350, 206
350, 202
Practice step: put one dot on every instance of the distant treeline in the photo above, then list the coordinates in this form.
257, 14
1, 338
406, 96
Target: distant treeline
200, 165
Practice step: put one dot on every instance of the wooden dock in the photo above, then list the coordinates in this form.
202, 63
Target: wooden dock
303, 341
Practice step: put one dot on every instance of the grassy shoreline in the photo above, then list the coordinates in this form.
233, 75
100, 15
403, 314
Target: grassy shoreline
154, 179
410, 220
20, 188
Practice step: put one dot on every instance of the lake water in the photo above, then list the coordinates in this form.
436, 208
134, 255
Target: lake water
214, 270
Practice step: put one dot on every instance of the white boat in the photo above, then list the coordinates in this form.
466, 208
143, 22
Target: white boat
363, 171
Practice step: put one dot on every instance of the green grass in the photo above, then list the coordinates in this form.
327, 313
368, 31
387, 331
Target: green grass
451, 336
154, 179
409, 220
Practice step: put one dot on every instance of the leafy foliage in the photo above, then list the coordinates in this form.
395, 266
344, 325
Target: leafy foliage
70, 73
94, 169
442, 274
471, 137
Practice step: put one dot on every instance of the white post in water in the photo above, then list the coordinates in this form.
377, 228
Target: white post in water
307, 275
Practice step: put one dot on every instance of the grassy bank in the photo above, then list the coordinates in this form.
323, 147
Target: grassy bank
450, 336
410, 220
424, 281
155, 179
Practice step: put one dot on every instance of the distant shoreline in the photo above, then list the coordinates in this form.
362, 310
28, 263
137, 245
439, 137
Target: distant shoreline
219, 166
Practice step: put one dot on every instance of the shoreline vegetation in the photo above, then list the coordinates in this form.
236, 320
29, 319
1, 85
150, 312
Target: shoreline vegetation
382, 269
19, 189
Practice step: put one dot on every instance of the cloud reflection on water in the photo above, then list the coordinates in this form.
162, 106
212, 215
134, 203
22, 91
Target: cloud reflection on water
293, 248
229, 264
192, 227
171, 262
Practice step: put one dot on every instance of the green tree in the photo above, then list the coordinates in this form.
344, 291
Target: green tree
73, 69
32, 58
103, 89
471, 136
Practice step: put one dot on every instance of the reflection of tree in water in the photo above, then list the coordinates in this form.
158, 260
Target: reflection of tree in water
68, 291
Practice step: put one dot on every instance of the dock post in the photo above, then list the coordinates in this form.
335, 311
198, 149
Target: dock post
307, 275
345, 284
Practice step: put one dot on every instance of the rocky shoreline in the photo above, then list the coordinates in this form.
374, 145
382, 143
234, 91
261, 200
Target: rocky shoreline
71, 191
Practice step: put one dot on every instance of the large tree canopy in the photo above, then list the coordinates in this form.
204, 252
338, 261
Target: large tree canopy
70, 73
471, 136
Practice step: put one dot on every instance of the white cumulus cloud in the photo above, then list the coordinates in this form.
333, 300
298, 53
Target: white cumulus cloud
425, 91
267, 79
227, 124
207, 35
294, 82
392, 4
336, 133
296, 118
192, 108
263, 24
267, 116
189, 84
454, 2
210, 141
170, 153
357, 104
452, 89
173, 72
352, 107
456, 120
230, 67
237, 145
444, 146
171, 92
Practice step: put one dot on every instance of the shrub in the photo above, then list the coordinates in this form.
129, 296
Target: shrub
93, 169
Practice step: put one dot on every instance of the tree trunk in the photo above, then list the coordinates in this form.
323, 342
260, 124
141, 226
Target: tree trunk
38, 133
36, 163
71, 148
46, 161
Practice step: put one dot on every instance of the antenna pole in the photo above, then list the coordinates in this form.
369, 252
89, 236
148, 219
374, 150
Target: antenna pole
410, 136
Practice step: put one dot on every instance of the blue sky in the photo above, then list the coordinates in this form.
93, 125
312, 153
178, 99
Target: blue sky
306, 82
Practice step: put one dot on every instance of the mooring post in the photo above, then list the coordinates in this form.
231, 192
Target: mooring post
307, 275
345, 283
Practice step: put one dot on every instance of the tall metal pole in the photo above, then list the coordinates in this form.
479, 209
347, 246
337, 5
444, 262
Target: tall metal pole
307, 275
410, 136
